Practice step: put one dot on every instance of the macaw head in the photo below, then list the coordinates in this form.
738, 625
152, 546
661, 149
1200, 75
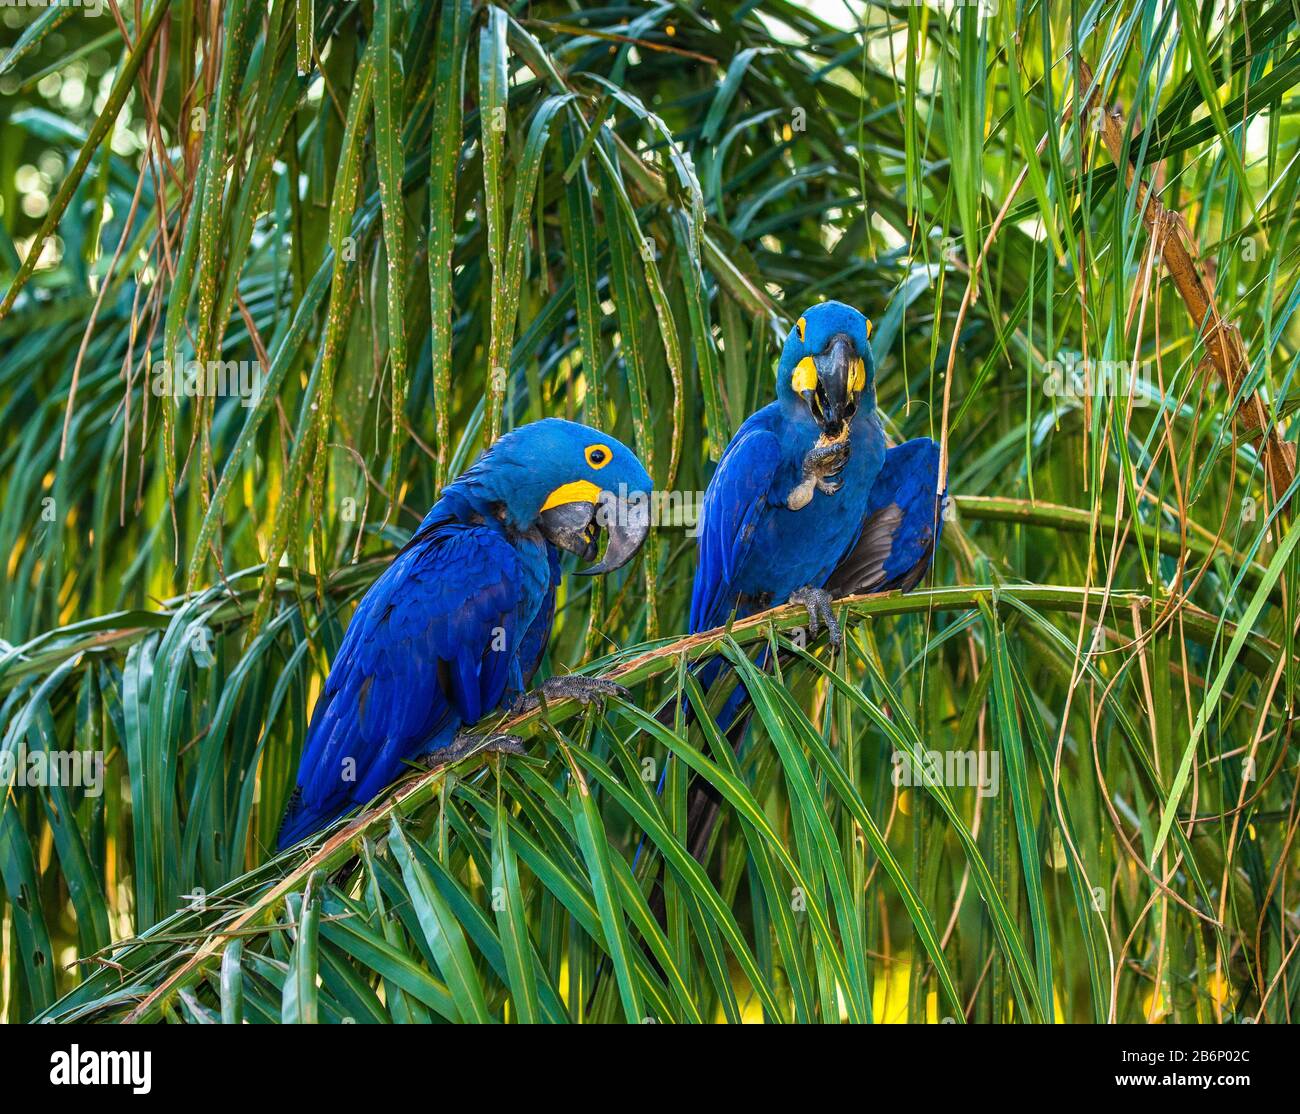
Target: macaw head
826, 365
568, 481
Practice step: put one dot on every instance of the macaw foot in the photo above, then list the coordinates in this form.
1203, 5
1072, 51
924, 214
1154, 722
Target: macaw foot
585, 690
819, 464
818, 603
464, 743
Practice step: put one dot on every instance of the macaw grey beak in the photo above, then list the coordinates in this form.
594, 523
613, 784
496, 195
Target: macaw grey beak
575, 527
571, 527
841, 377
626, 519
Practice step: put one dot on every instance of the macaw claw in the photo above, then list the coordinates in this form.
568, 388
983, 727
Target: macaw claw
585, 690
818, 604
826, 460
465, 743
820, 463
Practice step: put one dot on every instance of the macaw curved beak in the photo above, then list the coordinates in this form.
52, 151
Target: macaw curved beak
841, 377
575, 526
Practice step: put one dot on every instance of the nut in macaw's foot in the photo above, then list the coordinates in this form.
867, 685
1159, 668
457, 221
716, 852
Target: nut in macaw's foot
464, 744
818, 604
585, 690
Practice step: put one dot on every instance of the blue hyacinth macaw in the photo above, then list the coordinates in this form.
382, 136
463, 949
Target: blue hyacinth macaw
456, 626
808, 504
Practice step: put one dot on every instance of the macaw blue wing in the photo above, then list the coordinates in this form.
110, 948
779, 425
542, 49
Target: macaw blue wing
536, 637
432, 646
903, 524
736, 498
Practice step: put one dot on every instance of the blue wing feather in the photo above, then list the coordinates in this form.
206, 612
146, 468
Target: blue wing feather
433, 645
538, 635
733, 503
903, 524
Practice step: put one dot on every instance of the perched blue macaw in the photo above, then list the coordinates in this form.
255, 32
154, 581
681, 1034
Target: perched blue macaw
807, 503
456, 626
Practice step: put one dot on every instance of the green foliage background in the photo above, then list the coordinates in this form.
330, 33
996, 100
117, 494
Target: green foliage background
621, 210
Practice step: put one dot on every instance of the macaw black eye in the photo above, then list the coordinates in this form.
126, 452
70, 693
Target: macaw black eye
598, 455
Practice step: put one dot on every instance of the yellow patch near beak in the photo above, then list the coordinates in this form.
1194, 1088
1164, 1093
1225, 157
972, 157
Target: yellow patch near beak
580, 491
805, 376
858, 375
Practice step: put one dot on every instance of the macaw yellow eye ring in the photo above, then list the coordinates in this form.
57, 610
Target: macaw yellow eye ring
801, 324
598, 455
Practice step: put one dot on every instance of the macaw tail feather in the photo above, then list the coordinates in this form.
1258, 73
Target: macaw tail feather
300, 821
703, 801
709, 673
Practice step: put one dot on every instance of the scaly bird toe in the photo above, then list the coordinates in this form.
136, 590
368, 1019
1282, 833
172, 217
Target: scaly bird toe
505, 743
818, 604
585, 690
465, 744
